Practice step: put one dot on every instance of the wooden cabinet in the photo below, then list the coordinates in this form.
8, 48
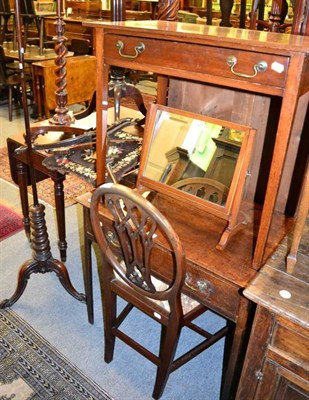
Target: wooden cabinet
279, 367
277, 361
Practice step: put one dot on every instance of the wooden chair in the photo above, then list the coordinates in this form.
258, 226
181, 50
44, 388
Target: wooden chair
205, 188
29, 17
129, 271
5, 15
11, 81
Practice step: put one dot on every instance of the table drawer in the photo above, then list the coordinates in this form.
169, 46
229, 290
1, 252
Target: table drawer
217, 294
196, 58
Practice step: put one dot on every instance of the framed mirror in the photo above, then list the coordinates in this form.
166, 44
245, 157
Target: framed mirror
199, 159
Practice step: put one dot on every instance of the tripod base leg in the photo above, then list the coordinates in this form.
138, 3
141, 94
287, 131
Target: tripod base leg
24, 274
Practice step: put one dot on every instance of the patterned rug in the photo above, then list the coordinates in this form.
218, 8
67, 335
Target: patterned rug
31, 369
10, 222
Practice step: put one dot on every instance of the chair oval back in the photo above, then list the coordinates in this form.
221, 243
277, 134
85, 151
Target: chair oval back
137, 224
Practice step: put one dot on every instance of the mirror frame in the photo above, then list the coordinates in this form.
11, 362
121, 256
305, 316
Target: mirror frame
230, 211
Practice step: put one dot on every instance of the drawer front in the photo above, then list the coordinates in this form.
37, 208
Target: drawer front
217, 294
207, 60
294, 343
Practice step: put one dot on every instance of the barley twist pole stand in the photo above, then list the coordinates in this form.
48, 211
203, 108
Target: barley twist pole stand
61, 117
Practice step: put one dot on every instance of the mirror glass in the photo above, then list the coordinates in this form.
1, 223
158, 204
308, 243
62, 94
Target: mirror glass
193, 153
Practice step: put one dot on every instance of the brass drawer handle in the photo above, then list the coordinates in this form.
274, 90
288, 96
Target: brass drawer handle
261, 66
200, 285
139, 48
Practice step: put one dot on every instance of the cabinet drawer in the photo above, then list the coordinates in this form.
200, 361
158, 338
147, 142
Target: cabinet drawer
196, 58
294, 343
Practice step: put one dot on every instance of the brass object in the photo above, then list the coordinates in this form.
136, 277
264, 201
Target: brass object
261, 66
139, 48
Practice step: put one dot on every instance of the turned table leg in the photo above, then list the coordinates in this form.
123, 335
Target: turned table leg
60, 213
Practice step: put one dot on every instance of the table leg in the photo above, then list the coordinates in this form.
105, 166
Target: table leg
234, 352
41, 35
87, 265
60, 213
38, 93
22, 177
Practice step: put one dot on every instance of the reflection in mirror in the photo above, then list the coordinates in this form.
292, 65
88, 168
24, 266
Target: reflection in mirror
200, 160
193, 155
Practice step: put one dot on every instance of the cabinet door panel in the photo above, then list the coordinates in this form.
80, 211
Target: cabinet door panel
278, 383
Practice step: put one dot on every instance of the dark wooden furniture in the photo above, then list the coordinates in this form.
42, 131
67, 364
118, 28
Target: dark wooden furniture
277, 15
80, 46
11, 81
277, 360
283, 54
73, 29
31, 17
80, 81
201, 54
302, 214
214, 278
20, 175
5, 15
129, 271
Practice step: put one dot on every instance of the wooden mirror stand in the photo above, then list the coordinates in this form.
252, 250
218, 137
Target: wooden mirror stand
201, 160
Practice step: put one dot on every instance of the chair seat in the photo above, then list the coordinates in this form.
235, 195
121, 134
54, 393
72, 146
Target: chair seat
188, 304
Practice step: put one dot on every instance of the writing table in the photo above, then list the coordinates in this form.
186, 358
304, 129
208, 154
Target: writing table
246, 61
201, 53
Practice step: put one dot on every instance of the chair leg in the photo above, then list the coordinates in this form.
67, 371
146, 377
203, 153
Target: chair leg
10, 103
168, 346
109, 305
